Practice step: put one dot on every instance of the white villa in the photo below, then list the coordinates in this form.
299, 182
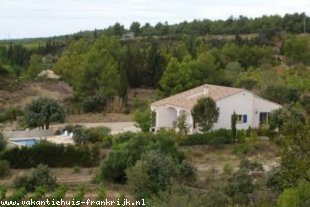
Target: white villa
251, 110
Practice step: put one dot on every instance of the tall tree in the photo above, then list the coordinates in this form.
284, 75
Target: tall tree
35, 66
205, 113
135, 27
42, 111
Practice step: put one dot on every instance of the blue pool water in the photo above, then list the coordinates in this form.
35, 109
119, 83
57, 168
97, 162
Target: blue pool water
25, 142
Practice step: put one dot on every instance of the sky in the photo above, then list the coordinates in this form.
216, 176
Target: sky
43, 18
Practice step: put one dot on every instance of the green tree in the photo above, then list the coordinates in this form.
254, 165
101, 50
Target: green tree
100, 74
35, 66
70, 64
205, 113
232, 71
181, 123
42, 111
135, 27
154, 173
234, 126
298, 196
143, 119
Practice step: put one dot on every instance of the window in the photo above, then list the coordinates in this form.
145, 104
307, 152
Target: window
242, 118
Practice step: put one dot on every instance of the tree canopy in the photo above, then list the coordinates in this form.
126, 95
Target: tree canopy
42, 111
205, 113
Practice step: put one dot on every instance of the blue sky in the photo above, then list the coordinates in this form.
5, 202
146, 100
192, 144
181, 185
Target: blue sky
40, 18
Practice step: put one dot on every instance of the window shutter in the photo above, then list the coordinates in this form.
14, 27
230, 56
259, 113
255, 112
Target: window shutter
245, 118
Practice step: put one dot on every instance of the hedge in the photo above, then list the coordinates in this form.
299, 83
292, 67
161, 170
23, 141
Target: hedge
53, 155
217, 137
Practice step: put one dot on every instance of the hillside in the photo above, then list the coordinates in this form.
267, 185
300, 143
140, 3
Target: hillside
19, 93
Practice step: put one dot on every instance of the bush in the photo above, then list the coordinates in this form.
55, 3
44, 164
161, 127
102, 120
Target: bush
154, 173
248, 165
177, 197
98, 134
298, 196
123, 156
11, 114
216, 138
3, 190
216, 198
92, 135
76, 169
241, 149
4, 168
53, 155
239, 187
228, 169
276, 181
3, 142
143, 119
94, 104
128, 148
40, 176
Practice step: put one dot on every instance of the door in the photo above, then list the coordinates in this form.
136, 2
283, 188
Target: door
263, 118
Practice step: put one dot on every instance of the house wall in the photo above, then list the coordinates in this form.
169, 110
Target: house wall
165, 116
262, 105
241, 103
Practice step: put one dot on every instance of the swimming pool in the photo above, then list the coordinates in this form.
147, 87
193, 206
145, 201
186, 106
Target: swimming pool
25, 141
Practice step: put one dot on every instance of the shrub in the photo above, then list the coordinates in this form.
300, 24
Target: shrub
216, 138
126, 153
11, 114
3, 191
2, 142
76, 169
298, 196
4, 168
53, 155
40, 176
276, 181
18, 195
123, 156
94, 104
216, 198
154, 173
97, 134
187, 171
143, 119
92, 135
228, 169
241, 149
248, 165
79, 196
176, 197
59, 193
239, 187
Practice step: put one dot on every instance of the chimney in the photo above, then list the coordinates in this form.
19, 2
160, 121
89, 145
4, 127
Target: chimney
205, 91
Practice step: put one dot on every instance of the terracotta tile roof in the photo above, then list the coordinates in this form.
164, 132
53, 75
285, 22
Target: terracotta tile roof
188, 99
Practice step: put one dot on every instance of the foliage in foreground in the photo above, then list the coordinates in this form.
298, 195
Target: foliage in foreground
53, 155
151, 162
40, 176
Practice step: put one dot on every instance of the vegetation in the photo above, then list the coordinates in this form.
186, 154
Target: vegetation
42, 111
40, 176
143, 119
205, 113
53, 155
266, 55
